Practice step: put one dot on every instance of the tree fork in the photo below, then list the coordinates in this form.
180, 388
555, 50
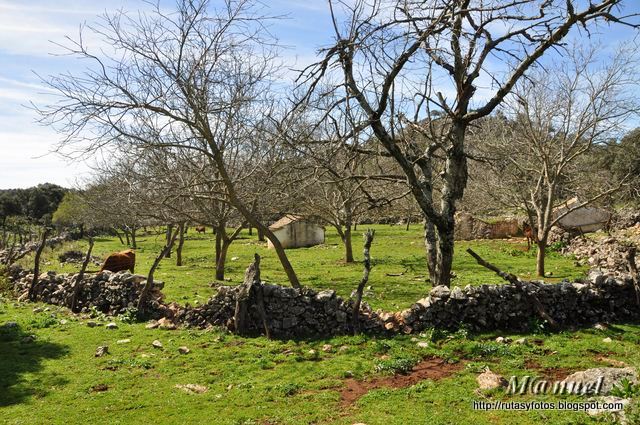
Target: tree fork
368, 239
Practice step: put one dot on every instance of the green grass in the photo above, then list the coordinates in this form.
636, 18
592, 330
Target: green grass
394, 251
56, 379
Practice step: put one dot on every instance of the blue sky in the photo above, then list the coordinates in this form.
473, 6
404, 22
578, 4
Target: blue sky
26, 31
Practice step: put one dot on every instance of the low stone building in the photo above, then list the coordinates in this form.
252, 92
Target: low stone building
585, 219
469, 228
294, 231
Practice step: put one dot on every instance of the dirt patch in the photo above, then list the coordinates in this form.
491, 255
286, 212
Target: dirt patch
611, 362
548, 373
434, 369
99, 388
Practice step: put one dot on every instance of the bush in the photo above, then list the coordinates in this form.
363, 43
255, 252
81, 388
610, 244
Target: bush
401, 365
626, 389
490, 349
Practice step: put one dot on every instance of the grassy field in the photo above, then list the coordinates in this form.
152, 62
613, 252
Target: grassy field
394, 252
49, 374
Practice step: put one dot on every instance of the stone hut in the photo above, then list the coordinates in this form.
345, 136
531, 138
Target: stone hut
294, 231
585, 219
469, 228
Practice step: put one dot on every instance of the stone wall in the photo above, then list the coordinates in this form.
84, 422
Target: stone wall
110, 293
601, 298
293, 313
23, 250
469, 228
290, 312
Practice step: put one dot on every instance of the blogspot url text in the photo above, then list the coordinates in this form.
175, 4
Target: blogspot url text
575, 406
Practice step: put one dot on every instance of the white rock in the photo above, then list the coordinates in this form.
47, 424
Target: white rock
489, 380
111, 325
193, 388
156, 344
123, 341
102, 350
184, 350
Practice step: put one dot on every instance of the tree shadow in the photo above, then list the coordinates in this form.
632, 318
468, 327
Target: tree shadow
20, 354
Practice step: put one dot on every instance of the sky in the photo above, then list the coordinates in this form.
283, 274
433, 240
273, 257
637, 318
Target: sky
29, 31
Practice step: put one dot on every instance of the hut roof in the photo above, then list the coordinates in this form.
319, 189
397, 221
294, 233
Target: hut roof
288, 218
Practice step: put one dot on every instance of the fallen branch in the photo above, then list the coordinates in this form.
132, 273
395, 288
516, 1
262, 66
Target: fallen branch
513, 279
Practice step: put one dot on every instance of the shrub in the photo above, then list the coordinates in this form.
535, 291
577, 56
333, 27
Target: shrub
626, 389
401, 365
490, 349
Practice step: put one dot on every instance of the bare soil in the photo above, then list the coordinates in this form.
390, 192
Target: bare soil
432, 368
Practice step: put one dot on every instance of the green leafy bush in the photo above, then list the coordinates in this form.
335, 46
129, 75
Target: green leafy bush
401, 365
626, 389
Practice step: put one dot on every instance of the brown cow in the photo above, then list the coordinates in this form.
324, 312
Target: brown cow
529, 233
201, 229
117, 261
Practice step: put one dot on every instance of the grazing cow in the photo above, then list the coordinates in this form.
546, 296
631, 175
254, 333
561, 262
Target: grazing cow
529, 233
117, 261
201, 229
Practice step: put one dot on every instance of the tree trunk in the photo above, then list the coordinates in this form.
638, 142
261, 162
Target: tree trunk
168, 236
126, 234
542, 247
78, 284
348, 248
444, 257
368, 239
430, 243
222, 258
408, 222
250, 230
180, 244
36, 265
81, 230
144, 294
134, 244
218, 244
119, 236
261, 236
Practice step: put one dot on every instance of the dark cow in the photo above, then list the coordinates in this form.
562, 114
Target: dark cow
117, 261
201, 229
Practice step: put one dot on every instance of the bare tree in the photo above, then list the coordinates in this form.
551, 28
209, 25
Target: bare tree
196, 79
421, 66
548, 125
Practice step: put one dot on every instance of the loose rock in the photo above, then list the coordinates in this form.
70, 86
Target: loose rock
102, 350
489, 380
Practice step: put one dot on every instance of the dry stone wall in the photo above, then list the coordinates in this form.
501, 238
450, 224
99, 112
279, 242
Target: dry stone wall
110, 293
604, 296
